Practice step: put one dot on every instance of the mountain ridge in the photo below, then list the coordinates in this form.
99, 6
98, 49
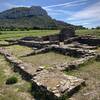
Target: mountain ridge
34, 17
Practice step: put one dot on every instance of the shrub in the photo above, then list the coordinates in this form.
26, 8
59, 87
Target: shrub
11, 80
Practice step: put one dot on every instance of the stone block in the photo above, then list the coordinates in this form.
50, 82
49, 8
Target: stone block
55, 83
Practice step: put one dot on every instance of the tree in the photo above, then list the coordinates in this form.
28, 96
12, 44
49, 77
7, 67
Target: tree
98, 27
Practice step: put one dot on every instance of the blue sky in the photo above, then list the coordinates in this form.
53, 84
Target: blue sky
78, 12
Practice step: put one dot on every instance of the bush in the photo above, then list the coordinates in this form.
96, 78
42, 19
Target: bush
11, 80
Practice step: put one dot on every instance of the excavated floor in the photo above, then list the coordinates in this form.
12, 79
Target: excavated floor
50, 59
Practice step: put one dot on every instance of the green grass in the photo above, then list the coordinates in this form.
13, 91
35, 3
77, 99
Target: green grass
11, 80
18, 34
18, 91
18, 50
88, 32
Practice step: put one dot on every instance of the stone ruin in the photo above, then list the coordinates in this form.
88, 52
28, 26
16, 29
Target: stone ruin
66, 33
63, 35
40, 42
53, 84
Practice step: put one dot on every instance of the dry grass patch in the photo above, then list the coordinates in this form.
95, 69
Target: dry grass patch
91, 73
47, 59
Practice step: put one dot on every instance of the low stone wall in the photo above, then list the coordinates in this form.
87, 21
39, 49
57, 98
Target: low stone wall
70, 51
39, 51
76, 63
31, 38
30, 44
19, 66
51, 38
7, 44
36, 44
71, 40
52, 84
11, 40
89, 40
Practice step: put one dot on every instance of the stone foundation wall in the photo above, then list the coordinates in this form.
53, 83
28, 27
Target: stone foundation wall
71, 40
31, 38
51, 84
76, 64
89, 40
36, 44
76, 52
30, 44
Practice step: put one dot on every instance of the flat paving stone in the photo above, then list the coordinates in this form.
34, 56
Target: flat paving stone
57, 82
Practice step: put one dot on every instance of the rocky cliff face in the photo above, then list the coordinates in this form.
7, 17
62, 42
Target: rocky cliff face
19, 12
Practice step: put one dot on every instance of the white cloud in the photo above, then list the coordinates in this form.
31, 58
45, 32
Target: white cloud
61, 12
68, 4
91, 13
89, 16
60, 9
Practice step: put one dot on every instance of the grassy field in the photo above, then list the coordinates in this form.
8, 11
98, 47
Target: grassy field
19, 34
88, 32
